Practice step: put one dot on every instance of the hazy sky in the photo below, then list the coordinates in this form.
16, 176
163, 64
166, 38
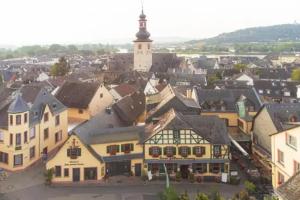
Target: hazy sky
26, 22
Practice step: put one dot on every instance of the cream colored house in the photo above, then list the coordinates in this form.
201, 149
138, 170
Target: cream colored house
84, 100
285, 155
31, 125
89, 154
274, 121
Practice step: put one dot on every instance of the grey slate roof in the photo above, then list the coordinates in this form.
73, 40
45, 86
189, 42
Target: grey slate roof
18, 105
173, 99
281, 114
42, 99
211, 128
213, 100
107, 135
290, 190
276, 88
130, 107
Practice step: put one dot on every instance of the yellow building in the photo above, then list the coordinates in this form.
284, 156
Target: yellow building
188, 144
84, 100
224, 103
32, 125
285, 155
90, 153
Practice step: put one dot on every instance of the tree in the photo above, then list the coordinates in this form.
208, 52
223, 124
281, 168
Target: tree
61, 68
201, 196
184, 196
169, 194
296, 75
240, 66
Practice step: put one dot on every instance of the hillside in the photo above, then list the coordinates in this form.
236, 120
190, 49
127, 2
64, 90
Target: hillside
284, 32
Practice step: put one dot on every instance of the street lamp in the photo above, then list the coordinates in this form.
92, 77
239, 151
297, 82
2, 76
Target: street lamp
167, 177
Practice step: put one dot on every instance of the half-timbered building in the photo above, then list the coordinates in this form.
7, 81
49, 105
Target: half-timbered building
187, 144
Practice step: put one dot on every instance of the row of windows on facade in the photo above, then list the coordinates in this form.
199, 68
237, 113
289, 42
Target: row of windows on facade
18, 159
196, 167
25, 119
90, 173
170, 151
140, 46
280, 160
18, 137
277, 92
125, 148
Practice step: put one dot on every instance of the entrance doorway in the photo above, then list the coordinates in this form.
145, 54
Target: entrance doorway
76, 174
118, 168
184, 170
138, 169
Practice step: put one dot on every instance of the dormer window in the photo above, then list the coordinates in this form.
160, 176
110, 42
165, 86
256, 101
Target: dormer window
287, 93
260, 91
268, 91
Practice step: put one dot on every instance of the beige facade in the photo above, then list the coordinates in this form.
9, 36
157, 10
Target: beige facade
65, 164
23, 144
100, 101
230, 118
142, 56
285, 155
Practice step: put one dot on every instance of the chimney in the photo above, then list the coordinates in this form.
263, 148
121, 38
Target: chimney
298, 91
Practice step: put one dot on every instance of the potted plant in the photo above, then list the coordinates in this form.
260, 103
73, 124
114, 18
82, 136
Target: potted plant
178, 176
191, 177
49, 176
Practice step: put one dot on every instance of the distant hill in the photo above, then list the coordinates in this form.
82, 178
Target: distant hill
277, 33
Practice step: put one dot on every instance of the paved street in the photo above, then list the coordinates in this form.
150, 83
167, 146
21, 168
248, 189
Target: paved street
29, 185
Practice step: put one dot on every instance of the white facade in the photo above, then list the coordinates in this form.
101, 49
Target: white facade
285, 165
142, 56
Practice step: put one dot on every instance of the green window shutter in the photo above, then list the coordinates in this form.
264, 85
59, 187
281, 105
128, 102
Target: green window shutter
151, 151
117, 148
131, 147
174, 150
194, 150
189, 150
68, 152
202, 150
159, 150
78, 152
179, 150
165, 150
108, 149
122, 148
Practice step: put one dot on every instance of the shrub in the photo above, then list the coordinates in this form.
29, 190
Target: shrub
201, 196
250, 187
169, 194
184, 196
49, 176
192, 177
178, 176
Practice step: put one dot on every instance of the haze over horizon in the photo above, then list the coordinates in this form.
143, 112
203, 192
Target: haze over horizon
97, 21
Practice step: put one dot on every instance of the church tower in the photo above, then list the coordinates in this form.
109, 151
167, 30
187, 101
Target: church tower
142, 47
